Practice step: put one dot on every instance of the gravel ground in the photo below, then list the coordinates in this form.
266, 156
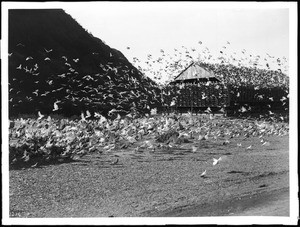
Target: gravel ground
160, 183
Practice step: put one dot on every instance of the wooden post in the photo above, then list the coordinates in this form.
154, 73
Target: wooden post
191, 100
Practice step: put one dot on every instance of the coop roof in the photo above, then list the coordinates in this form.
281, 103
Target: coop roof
196, 71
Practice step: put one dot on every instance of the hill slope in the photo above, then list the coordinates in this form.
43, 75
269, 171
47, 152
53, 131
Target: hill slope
53, 59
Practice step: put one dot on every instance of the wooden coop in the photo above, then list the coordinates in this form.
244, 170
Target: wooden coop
195, 89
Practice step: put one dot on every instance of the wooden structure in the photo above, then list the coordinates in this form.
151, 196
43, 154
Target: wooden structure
195, 89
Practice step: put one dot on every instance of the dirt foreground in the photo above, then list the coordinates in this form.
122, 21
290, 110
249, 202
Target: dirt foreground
160, 183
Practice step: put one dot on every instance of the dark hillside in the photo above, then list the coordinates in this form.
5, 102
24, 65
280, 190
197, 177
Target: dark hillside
53, 59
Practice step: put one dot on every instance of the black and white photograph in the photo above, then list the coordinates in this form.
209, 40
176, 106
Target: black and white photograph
149, 113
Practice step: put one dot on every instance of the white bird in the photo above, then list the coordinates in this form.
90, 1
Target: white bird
216, 161
55, 106
40, 115
29, 58
203, 174
88, 114
194, 149
82, 116
249, 147
36, 92
208, 110
243, 109
266, 143
47, 50
97, 114
19, 67
47, 59
115, 162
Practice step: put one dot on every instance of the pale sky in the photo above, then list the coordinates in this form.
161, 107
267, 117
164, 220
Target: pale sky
147, 27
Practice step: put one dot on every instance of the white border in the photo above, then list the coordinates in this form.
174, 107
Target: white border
294, 207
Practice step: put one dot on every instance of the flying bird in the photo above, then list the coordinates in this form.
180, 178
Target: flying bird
48, 51
88, 114
55, 106
203, 174
36, 92
82, 116
40, 115
216, 161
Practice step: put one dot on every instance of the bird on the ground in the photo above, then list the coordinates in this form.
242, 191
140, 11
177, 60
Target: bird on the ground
194, 149
115, 162
216, 161
203, 174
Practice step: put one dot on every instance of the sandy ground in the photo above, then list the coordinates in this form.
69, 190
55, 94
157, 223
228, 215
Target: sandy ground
160, 183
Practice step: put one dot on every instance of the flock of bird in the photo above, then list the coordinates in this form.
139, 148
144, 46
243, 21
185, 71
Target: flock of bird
248, 69
122, 87
85, 135
117, 85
